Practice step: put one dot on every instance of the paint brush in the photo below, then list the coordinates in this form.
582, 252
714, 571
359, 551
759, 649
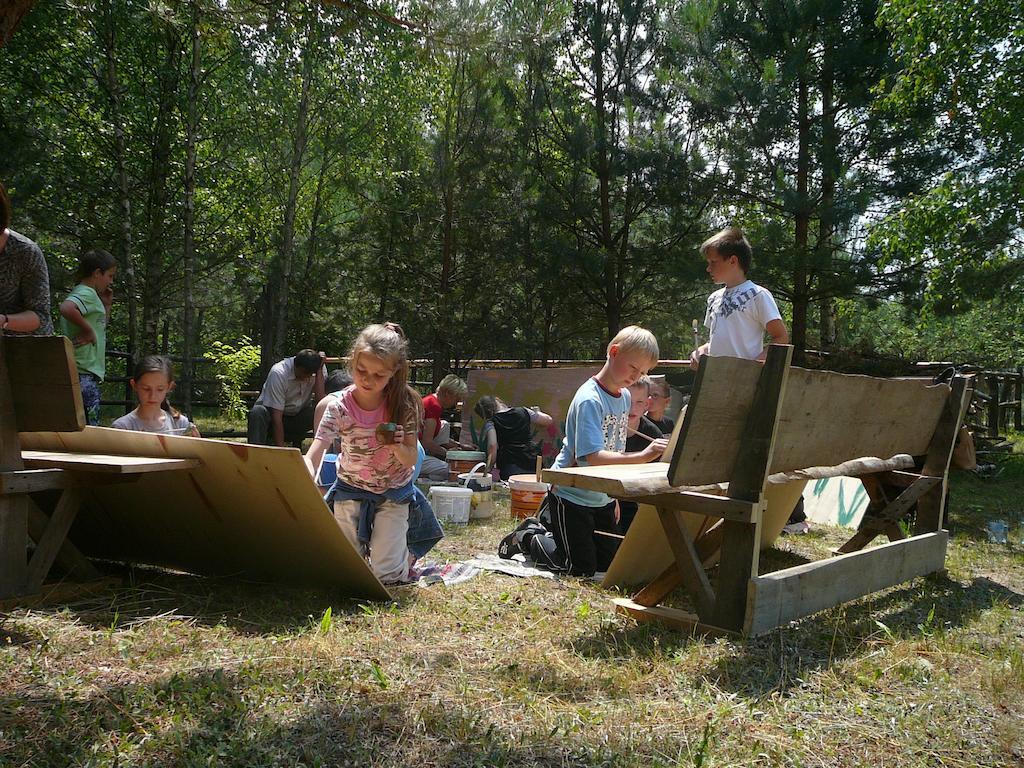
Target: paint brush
648, 438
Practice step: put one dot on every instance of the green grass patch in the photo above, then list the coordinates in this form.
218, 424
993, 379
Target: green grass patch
177, 670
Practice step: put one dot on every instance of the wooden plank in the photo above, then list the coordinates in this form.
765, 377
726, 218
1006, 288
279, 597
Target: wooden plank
32, 480
827, 418
900, 479
10, 448
618, 480
49, 544
784, 596
13, 545
245, 511
95, 462
706, 545
691, 571
740, 541
44, 384
940, 451
671, 617
718, 507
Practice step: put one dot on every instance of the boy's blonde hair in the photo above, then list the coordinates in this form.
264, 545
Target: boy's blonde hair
453, 385
634, 337
644, 381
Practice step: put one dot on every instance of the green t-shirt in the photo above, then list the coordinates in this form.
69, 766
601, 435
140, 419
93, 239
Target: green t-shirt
90, 358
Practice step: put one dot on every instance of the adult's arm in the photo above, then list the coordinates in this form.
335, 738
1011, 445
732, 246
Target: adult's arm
25, 321
277, 426
319, 382
35, 289
432, 448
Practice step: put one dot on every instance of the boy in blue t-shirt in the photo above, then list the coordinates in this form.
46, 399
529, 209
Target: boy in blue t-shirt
568, 537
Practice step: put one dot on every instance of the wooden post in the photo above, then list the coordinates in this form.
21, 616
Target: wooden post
741, 541
931, 505
993, 405
1018, 396
13, 511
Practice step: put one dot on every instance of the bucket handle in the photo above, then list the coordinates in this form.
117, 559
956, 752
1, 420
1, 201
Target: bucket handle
473, 471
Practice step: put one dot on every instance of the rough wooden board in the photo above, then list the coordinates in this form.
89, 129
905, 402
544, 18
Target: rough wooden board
96, 462
783, 596
44, 383
671, 616
645, 553
827, 418
249, 512
630, 480
550, 388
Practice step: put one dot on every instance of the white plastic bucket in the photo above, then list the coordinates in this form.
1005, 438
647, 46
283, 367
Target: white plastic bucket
451, 503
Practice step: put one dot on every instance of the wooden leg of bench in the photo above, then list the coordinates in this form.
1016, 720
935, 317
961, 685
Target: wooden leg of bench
68, 556
13, 545
707, 547
53, 538
691, 572
740, 553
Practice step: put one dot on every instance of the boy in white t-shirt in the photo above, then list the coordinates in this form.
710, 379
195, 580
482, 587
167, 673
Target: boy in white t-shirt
738, 316
739, 313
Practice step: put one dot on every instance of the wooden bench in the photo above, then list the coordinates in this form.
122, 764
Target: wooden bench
747, 423
39, 391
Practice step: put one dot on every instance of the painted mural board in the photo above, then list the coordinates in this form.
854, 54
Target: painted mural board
551, 389
836, 501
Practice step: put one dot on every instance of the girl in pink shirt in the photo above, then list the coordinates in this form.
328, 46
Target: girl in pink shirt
375, 420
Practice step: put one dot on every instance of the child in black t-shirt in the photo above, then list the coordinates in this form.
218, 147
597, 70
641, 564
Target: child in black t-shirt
641, 431
508, 435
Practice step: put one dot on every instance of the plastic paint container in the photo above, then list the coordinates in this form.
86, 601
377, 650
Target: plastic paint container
451, 503
462, 461
527, 495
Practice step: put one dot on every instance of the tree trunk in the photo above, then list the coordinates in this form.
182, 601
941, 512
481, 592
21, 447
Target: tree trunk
11, 14
802, 225
191, 142
826, 216
284, 272
156, 201
113, 89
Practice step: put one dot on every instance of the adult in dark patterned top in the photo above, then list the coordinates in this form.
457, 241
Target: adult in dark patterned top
24, 281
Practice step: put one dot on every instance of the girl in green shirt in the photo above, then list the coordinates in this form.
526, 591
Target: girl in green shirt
84, 317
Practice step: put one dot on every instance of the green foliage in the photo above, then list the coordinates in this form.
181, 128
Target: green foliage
234, 365
963, 63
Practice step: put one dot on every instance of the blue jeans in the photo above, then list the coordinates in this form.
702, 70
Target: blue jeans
89, 383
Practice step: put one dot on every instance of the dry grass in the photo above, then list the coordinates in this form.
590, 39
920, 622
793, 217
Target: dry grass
177, 670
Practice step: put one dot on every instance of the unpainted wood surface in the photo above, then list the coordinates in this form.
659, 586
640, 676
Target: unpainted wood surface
644, 553
44, 384
783, 596
247, 511
96, 462
827, 418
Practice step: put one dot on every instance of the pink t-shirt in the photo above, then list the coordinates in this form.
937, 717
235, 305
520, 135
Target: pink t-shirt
362, 461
